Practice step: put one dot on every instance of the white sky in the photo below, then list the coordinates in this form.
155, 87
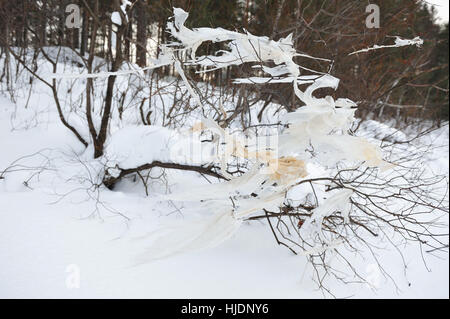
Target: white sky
442, 9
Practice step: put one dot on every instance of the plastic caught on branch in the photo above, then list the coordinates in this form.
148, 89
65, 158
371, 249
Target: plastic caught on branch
316, 134
323, 123
399, 42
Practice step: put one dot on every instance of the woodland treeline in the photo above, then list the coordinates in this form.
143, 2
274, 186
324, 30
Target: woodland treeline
404, 84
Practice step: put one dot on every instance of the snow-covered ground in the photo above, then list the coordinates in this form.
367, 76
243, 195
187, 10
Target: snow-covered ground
57, 226
46, 238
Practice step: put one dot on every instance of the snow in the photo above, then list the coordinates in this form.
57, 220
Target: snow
115, 18
136, 145
133, 146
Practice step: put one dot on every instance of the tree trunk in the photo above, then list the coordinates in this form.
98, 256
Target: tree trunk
43, 25
116, 61
141, 46
61, 23
84, 33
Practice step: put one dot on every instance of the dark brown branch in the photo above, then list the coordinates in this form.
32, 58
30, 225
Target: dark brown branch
109, 181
